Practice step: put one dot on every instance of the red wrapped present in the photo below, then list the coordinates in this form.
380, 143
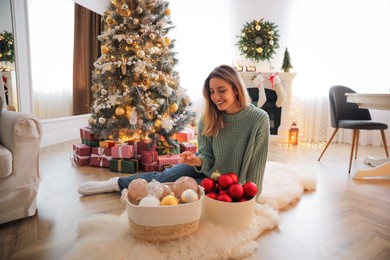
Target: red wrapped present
140, 146
167, 160
186, 146
100, 157
149, 161
85, 133
124, 151
81, 154
185, 135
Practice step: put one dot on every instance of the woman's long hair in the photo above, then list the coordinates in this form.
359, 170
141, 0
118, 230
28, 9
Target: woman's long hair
214, 119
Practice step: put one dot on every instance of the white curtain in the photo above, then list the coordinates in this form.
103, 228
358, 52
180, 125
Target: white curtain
51, 43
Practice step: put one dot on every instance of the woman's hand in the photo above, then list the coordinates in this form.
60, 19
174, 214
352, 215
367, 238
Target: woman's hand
191, 159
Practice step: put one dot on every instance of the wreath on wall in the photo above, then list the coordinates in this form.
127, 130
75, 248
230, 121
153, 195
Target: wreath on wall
258, 40
7, 51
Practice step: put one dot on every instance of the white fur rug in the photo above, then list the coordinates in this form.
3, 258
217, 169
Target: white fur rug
106, 236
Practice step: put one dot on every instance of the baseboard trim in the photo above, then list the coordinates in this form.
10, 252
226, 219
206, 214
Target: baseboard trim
59, 130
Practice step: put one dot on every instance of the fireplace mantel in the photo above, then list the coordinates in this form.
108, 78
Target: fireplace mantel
287, 79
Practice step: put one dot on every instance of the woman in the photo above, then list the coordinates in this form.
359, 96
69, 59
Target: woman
233, 136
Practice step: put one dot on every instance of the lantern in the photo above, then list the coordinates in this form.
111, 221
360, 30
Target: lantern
293, 134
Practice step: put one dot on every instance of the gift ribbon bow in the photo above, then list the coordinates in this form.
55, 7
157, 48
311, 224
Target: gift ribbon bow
101, 156
271, 79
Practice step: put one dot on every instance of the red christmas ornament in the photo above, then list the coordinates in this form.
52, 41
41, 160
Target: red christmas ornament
250, 189
208, 184
234, 176
225, 180
224, 197
236, 191
212, 195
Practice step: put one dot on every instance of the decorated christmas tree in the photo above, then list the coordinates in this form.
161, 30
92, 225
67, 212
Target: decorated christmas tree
137, 92
286, 66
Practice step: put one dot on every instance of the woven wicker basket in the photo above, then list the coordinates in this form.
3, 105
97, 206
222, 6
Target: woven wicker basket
164, 223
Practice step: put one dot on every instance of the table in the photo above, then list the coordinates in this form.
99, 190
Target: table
372, 101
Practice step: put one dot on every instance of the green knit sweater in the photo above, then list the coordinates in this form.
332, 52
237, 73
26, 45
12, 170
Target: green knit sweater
241, 147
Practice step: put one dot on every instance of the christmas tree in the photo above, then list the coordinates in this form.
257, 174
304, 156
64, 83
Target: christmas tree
137, 94
286, 66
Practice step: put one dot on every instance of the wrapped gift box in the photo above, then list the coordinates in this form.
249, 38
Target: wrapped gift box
81, 154
91, 143
185, 135
186, 146
85, 133
124, 165
139, 146
107, 143
149, 161
195, 142
166, 161
100, 157
122, 151
163, 148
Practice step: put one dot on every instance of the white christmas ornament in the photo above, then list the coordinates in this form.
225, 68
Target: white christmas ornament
102, 120
167, 124
189, 196
149, 201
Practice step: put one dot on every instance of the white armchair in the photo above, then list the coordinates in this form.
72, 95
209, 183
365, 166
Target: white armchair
20, 138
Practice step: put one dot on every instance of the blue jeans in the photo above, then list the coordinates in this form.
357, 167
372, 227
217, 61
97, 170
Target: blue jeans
168, 175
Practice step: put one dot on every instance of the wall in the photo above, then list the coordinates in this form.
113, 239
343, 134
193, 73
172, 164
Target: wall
5, 16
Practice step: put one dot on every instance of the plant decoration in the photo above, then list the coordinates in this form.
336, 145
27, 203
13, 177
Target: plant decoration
7, 51
286, 66
258, 40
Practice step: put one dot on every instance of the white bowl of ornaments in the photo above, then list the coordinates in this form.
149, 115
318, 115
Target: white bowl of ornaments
227, 202
163, 211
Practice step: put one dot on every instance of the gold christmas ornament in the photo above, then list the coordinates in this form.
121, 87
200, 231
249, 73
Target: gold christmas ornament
123, 69
105, 49
109, 20
167, 41
91, 121
141, 53
186, 101
169, 200
215, 175
167, 12
94, 88
119, 111
174, 107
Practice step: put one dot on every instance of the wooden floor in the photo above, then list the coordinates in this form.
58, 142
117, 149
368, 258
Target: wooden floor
342, 219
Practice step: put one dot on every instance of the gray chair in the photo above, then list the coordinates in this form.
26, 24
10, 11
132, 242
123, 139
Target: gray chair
349, 116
